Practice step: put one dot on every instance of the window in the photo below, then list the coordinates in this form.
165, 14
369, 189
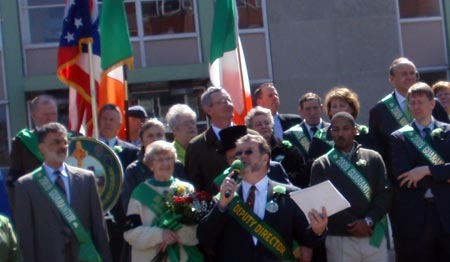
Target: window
423, 38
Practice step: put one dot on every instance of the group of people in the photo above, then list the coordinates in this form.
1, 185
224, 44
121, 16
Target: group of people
395, 173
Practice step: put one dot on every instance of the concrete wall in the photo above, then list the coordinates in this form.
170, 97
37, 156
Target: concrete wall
318, 44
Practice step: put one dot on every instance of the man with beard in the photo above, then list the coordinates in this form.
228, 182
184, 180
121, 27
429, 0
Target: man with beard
356, 233
57, 210
244, 224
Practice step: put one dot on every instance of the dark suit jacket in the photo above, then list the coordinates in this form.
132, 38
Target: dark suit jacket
289, 120
42, 233
382, 124
409, 205
231, 242
203, 163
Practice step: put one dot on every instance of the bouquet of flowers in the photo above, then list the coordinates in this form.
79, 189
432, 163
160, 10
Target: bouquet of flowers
191, 206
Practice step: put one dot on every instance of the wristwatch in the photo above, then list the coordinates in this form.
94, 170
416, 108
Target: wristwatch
369, 221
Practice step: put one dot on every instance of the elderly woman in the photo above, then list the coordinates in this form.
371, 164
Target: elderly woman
441, 91
338, 99
137, 172
149, 236
182, 121
260, 119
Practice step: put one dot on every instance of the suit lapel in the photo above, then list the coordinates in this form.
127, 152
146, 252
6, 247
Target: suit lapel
74, 185
306, 131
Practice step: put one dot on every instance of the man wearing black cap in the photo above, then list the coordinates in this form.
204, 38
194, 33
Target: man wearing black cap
136, 116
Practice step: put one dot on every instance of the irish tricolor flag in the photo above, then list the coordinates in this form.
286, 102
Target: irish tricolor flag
116, 52
227, 63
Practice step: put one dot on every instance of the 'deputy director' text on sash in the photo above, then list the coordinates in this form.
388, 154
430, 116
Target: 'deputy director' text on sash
258, 228
422, 146
395, 110
349, 170
87, 250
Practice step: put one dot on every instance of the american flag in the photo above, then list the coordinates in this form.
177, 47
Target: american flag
80, 26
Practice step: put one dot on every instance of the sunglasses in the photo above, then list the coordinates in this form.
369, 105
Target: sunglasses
245, 152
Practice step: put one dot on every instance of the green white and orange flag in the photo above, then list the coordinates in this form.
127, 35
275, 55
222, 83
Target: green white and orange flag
116, 52
227, 63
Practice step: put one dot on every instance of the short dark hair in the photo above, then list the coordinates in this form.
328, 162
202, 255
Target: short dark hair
258, 90
52, 127
307, 97
110, 107
420, 89
343, 115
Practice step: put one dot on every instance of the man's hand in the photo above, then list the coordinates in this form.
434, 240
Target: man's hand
228, 184
305, 254
413, 176
318, 221
359, 228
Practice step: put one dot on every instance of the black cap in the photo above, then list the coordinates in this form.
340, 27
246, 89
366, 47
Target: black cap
137, 112
229, 136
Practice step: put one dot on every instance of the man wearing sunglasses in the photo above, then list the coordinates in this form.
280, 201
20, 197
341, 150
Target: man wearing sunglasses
253, 212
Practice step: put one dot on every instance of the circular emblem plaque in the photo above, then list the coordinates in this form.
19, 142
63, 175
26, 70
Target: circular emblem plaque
91, 154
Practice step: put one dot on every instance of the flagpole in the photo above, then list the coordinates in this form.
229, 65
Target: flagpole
125, 83
93, 92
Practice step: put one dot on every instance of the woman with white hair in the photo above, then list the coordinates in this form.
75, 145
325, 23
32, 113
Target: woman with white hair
182, 122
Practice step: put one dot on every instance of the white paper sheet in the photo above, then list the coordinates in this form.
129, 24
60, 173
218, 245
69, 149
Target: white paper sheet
318, 196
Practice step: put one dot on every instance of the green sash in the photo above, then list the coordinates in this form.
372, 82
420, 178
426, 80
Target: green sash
322, 135
395, 110
422, 146
300, 136
87, 252
30, 140
165, 218
258, 228
348, 169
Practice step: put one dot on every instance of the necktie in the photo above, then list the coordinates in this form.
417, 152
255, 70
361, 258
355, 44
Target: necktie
427, 134
406, 111
59, 182
313, 131
251, 197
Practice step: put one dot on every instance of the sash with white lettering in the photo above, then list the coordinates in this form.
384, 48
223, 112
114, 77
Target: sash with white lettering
361, 183
258, 228
300, 136
422, 146
87, 252
395, 110
165, 218
30, 140
322, 135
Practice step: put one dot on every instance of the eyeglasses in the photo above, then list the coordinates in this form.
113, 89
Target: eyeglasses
245, 152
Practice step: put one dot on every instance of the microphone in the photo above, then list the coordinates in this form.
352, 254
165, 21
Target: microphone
236, 168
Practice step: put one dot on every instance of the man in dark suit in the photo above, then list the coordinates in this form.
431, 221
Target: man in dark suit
203, 162
247, 227
109, 123
25, 155
266, 95
392, 113
421, 169
46, 230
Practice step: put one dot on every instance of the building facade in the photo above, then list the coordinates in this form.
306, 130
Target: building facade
301, 46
